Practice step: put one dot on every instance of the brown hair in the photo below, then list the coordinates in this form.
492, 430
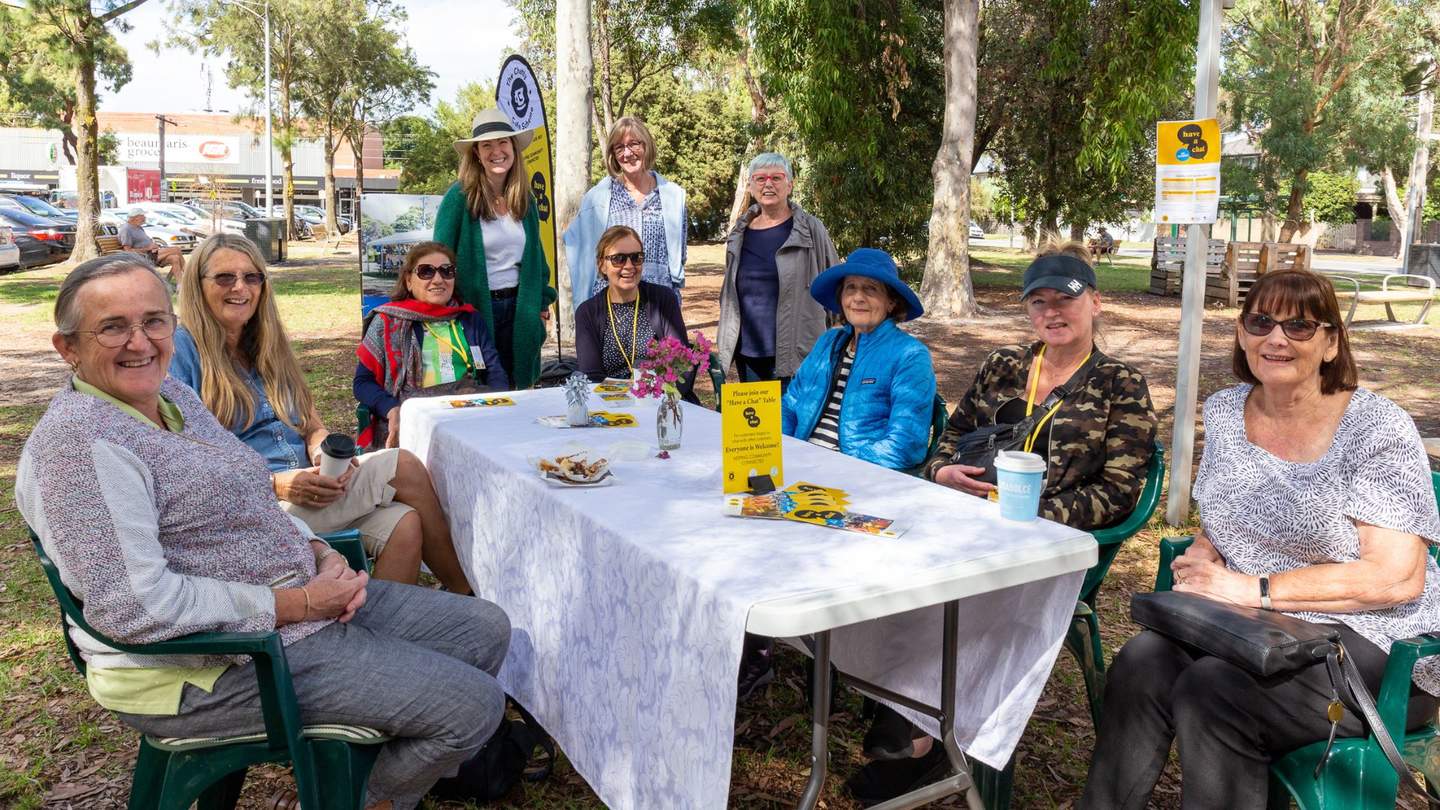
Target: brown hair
401, 291
613, 234
1308, 295
516, 189
628, 125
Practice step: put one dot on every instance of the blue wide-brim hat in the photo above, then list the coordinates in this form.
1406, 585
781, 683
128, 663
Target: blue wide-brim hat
870, 263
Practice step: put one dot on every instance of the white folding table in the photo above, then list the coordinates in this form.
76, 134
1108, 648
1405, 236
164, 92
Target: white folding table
629, 603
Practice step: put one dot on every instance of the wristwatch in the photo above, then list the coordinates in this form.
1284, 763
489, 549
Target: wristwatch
1265, 594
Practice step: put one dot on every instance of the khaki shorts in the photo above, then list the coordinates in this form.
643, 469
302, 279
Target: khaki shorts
368, 503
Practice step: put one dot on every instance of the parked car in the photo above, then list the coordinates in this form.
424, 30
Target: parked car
341, 222
976, 232
303, 221
41, 240
39, 207
9, 251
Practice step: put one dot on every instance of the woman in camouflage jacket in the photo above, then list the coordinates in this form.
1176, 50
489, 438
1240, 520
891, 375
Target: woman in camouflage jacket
1099, 441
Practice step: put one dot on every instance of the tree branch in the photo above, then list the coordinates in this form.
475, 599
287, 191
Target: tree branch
116, 12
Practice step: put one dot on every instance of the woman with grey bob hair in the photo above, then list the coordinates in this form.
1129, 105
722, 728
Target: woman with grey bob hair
165, 524
768, 321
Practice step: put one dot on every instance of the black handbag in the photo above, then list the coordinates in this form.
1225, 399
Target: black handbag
504, 760
1266, 643
979, 447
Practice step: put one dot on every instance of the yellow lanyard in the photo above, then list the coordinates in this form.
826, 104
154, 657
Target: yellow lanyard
1030, 397
459, 349
634, 332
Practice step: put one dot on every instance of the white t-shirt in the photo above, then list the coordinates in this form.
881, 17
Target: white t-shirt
504, 247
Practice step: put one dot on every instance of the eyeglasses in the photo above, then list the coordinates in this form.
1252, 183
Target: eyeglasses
425, 272
115, 335
1261, 325
227, 280
772, 179
629, 146
618, 260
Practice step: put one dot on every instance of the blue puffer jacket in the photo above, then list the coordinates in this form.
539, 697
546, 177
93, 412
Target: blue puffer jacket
885, 416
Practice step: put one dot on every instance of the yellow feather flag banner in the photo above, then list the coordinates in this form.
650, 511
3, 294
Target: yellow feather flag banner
517, 94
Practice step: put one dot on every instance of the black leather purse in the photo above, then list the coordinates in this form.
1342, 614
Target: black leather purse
1267, 643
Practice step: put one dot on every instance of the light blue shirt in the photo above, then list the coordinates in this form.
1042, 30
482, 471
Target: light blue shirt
594, 217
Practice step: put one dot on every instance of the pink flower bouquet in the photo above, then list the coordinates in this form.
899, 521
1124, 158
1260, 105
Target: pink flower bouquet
669, 361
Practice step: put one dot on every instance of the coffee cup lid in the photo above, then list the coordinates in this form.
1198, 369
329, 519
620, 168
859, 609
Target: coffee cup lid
1017, 461
338, 445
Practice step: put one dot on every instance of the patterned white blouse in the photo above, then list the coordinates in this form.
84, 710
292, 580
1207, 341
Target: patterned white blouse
1266, 515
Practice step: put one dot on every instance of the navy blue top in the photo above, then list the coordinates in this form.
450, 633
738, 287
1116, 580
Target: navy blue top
757, 285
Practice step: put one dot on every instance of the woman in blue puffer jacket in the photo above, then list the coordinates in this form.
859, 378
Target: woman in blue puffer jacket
866, 388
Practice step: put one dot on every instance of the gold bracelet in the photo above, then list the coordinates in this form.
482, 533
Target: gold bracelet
306, 617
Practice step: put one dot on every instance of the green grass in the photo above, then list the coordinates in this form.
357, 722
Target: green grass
1004, 267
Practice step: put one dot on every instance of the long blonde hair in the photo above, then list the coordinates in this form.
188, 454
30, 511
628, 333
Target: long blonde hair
516, 189
263, 344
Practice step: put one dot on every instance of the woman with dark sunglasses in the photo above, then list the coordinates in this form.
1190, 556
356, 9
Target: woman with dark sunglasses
1315, 500
425, 341
613, 329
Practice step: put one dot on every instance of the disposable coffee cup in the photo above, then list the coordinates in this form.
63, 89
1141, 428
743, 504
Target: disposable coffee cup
1020, 477
335, 454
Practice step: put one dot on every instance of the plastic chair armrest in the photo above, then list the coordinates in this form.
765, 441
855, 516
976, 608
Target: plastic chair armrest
1170, 548
254, 644
1394, 698
347, 542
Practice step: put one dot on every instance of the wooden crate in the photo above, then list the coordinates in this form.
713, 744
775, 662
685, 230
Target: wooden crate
1245, 262
1167, 263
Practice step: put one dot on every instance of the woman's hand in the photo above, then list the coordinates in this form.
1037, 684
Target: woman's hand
336, 594
309, 488
545, 315
332, 561
393, 419
1211, 579
959, 476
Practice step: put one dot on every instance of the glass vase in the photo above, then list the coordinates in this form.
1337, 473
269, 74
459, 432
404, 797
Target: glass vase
669, 423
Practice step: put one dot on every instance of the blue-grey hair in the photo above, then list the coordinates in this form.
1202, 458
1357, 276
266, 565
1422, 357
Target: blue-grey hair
771, 159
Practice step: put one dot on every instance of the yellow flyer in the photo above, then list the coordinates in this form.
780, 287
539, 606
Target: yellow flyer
1187, 171
750, 433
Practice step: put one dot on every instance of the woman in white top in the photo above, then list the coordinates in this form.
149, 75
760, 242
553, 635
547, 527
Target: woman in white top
489, 219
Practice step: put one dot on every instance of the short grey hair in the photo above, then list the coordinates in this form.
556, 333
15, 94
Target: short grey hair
67, 317
771, 159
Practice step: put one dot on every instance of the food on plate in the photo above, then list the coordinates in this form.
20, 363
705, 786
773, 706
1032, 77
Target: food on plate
576, 467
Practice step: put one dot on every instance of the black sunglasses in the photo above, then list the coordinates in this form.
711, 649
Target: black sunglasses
428, 271
617, 260
1260, 325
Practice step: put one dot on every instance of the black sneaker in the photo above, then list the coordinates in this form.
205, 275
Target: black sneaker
883, 780
891, 736
756, 667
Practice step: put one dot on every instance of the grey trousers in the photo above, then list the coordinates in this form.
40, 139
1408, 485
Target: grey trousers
415, 663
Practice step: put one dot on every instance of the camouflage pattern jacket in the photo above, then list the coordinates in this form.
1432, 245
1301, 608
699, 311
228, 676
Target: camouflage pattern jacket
1100, 439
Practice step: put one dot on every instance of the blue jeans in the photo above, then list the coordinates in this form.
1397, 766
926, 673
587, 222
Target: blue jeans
502, 328
416, 664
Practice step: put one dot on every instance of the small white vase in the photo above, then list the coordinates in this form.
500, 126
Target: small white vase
578, 414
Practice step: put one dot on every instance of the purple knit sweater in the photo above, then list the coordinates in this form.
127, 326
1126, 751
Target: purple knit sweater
160, 534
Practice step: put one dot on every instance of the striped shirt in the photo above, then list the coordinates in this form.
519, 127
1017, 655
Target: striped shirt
827, 430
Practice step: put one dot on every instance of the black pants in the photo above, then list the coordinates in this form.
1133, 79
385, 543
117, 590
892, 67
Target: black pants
758, 369
1228, 723
502, 311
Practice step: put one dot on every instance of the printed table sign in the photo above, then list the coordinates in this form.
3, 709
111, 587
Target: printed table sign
750, 434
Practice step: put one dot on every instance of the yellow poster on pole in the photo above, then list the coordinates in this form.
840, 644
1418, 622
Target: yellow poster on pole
1187, 171
750, 434
517, 93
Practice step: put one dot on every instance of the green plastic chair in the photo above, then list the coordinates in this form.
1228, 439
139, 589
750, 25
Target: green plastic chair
717, 377
1357, 776
939, 417
331, 762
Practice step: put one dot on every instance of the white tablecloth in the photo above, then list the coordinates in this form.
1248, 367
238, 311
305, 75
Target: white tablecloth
629, 602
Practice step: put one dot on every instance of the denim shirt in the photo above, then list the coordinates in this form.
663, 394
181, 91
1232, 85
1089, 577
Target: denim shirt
282, 447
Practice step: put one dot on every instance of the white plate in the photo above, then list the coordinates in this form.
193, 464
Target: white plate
606, 480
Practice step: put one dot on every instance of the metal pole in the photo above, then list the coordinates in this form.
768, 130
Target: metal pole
164, 187
269, 131
1192, 296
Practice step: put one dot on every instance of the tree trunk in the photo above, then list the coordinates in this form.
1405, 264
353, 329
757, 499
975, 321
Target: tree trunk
945, 288
1399, 212
1295, 206
607, 83
331, 193
759, 115
574, 87
1077, 231
1419, 165
359, 153
87, 172
287, 143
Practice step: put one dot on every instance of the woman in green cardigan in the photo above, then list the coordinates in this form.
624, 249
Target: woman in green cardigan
490, 221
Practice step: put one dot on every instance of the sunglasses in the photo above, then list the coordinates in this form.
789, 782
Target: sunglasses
1261, 325
227, 280
425, 272
618, 260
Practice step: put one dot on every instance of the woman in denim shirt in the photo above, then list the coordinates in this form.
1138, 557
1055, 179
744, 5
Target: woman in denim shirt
232, 349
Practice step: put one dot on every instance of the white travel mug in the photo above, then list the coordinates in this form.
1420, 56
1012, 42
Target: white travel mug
335, 454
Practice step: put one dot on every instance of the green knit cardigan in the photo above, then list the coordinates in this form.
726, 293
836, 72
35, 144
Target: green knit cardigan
461, 232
